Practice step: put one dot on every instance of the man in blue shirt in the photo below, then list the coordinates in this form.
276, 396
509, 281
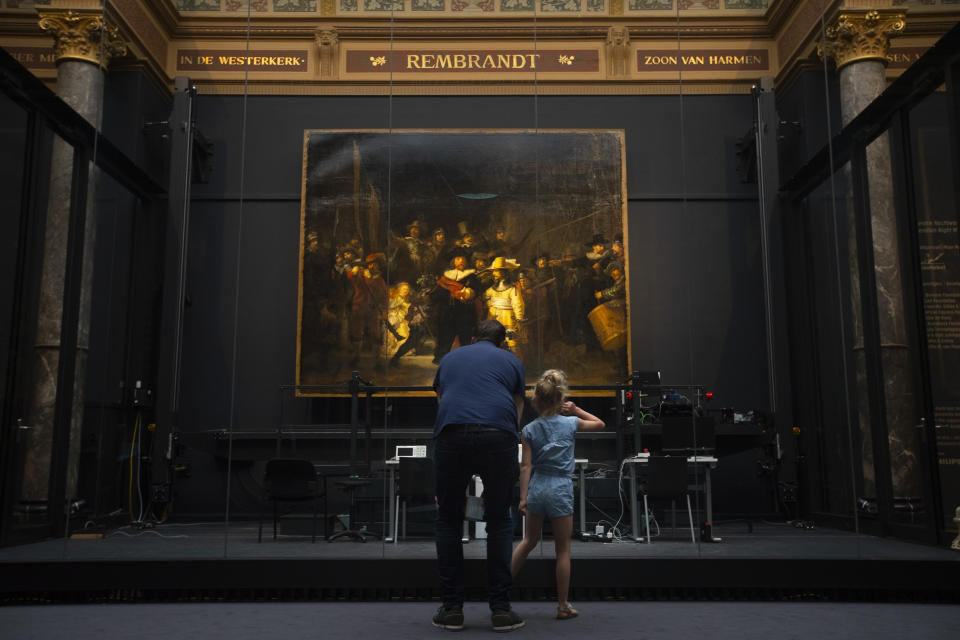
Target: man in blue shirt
480, 391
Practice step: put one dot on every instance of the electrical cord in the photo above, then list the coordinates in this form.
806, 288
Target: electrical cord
599, 510
133, 444
613, 531
143, 533
620, 492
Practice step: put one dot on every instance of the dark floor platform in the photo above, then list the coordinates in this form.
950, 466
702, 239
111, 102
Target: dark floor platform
175, 562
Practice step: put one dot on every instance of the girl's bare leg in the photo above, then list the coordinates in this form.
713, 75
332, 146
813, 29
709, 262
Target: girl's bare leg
562, 530
531, 536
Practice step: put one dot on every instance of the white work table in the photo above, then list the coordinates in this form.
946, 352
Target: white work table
707, 462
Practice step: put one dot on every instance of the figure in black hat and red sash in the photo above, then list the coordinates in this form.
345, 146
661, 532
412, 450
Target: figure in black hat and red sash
456, 303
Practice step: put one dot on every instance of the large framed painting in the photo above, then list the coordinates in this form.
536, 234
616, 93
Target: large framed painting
409, 237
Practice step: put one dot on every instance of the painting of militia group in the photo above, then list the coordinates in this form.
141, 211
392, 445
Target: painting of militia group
409, 238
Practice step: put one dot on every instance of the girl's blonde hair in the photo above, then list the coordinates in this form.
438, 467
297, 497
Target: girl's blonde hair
550, 392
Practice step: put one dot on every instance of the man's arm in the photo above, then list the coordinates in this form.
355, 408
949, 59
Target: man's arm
526, 467
518, 401
519, 390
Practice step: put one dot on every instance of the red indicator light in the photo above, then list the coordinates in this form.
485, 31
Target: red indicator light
709, 395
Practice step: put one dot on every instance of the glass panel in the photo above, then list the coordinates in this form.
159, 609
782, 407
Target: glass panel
114, 494
312, 301
939, 262
897, 359
58, 285
27, 450
826, 438
263, 421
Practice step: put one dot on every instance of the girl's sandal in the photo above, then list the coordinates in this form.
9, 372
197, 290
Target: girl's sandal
566, 613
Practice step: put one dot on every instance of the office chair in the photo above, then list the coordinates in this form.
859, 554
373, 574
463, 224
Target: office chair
415, 486
351, 484
667, 480
291, 480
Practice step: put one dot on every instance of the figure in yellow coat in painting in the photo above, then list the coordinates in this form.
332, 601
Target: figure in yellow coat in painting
397, 315
503, 299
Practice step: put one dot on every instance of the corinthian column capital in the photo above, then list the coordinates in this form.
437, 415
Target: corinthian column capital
861, 35
82, 35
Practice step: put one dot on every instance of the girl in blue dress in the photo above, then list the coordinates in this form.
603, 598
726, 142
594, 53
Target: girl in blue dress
546, 476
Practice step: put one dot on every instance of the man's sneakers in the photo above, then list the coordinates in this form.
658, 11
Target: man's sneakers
451, 618
506, 620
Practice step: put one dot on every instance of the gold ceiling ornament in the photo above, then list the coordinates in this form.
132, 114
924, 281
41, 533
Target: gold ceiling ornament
82, 36
861, 36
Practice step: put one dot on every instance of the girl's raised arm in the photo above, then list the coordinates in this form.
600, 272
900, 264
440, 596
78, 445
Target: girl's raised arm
585, 421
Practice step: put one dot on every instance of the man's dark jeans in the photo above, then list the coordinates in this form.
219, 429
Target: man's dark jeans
491, 453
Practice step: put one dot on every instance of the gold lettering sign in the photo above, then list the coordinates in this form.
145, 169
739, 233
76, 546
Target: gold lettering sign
233, 60
34, 57
903, 57
706, 60
419, 61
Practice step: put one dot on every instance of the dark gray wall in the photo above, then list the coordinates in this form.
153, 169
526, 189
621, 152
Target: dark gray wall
696, 299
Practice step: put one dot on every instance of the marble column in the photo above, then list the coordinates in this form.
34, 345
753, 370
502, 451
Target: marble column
858, 41
83, 44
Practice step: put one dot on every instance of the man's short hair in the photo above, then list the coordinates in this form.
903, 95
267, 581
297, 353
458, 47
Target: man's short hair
491, 331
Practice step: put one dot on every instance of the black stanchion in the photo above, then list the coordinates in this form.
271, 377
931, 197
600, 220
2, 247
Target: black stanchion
354, 419
618, 422
637, 412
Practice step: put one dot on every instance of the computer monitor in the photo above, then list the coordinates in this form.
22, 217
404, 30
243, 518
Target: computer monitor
688, 434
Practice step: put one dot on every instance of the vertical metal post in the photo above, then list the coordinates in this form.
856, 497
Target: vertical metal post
367, 425
620, 395
637, 411
174, 273
280, 423
953, 124
354, 420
